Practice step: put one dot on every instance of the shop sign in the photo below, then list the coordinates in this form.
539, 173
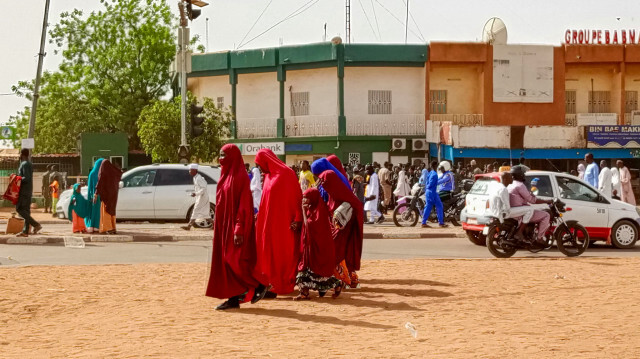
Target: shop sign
601, 37
613, 136
254, 147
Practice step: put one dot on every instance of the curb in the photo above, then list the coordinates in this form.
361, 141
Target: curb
413, 235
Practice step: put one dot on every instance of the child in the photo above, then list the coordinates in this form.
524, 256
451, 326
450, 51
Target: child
54, 189
79, 208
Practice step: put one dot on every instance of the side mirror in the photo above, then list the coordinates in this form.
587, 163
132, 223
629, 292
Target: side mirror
121, 184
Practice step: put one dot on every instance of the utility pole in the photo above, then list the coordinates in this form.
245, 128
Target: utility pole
183, 72
406, 29
36, 90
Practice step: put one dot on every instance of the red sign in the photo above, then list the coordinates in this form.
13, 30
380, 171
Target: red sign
601, 37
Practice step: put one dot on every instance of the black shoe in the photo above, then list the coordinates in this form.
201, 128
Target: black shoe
270, 295
259, 293
231, 303
380, 219
369, 222
321, 294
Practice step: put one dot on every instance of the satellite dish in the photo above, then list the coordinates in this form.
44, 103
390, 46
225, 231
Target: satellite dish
495, 32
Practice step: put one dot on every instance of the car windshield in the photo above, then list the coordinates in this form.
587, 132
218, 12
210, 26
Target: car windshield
482, 185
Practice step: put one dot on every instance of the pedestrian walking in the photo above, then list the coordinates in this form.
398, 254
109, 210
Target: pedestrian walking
373, 196
107, 188
605, 179
201, 208
92, 221
54, 190
625, 183
23, 207
45, 189
79, 208
256, 188
432, 197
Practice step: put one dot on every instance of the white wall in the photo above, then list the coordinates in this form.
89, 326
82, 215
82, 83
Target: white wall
554, 137
481, 136
407, 85
258, 96
212, 87
322, 85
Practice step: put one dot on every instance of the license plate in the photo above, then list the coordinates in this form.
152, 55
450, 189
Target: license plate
485, 230
472, 221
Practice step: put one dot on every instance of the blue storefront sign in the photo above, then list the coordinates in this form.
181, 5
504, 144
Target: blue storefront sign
613, 136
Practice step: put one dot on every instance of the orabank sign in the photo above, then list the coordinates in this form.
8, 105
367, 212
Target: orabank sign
601, 37
253, 148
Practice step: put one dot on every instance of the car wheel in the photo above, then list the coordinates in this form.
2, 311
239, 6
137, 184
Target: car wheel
477, 238
624, 234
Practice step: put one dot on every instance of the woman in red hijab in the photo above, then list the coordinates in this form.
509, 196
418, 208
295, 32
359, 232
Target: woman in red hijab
278, 224
317, 251
348, 238
233, 255
335, 161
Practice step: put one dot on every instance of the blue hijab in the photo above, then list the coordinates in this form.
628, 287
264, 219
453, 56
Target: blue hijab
79, 204
93, 219
320, 165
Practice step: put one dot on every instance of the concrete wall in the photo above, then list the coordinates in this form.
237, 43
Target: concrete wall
322, 85
481, 136
258, 96
211, 87
554, 137
462, 82
406, 84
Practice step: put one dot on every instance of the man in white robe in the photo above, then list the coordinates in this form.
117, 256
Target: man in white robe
201, 208
605, 179
627, 194
373, 196
256, 188
402, 188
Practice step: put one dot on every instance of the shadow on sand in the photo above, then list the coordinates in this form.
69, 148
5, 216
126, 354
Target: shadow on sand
319, 319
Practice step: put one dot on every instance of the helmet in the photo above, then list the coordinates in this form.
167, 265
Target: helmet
446, 165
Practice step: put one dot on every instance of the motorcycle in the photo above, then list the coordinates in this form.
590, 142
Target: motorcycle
410, 208
571, 237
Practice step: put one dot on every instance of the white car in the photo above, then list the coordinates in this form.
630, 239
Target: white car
156, 192
605, 218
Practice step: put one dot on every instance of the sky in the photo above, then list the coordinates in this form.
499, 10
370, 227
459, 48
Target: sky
372, 21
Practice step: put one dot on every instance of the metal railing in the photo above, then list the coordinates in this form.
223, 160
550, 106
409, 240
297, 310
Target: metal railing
257, 127
460, 119
303, 126
385, 125
570, 119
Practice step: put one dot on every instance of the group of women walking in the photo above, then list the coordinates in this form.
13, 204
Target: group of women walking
97, 212
312, 240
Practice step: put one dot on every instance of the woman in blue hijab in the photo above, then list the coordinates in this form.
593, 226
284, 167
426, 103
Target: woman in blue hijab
320, 165
79, 209
92, 221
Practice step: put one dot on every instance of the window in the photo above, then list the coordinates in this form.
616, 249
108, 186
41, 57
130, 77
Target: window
379, 102
630, 101
438, 101
140, 179
570, 102
207, 178
599, 101
299, 103
220, 102
482, 185
572, 189
174, 177
540, 186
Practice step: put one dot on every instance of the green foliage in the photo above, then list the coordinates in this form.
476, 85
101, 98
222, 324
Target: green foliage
115, 62
159, 132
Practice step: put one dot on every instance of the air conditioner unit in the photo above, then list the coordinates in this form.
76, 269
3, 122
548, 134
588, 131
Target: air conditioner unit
419, 144
399, 143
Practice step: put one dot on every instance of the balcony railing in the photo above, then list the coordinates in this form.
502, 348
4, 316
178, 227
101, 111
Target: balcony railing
571, 119
463, 119
303, 126
257, 127
385, 125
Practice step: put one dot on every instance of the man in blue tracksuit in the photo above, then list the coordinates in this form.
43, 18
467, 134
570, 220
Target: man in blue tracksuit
433, 199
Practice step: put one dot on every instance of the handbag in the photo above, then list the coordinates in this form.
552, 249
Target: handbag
13, 189
342, 215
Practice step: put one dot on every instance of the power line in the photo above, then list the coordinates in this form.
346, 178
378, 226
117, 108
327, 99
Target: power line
367, 17
255, 22
395, 17
295, 13
376, 17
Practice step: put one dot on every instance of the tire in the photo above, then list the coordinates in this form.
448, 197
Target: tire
477, 238
409, 218
494, 244
624, 234
572, 239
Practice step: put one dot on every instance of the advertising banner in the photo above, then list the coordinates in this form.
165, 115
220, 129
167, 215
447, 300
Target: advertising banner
613, 136
523, 73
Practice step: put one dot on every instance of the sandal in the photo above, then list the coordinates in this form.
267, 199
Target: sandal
21, 234
304, 294
336, 291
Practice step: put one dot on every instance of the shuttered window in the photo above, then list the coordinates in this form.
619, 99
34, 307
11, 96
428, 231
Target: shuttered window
379, 102
570, 102
438, 101
630, 101
599, 102
220, 102
299, 103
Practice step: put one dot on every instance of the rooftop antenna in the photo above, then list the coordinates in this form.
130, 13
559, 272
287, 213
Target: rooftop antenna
348, 20
207, 34
324, 37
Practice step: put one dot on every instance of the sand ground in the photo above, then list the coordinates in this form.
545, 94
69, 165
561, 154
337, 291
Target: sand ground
518, 308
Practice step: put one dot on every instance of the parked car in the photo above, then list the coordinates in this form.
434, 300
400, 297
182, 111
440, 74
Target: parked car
605, 218
156, 192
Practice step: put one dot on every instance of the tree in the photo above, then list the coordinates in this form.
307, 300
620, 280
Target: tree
159, 132
115, 62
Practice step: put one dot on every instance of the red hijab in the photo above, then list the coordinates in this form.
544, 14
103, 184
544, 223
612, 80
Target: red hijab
231, 265
335, 161
348, 240
317, 248
277, 244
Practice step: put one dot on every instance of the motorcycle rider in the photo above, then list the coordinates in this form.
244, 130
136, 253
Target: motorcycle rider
446, 183
520, 196
500, 205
